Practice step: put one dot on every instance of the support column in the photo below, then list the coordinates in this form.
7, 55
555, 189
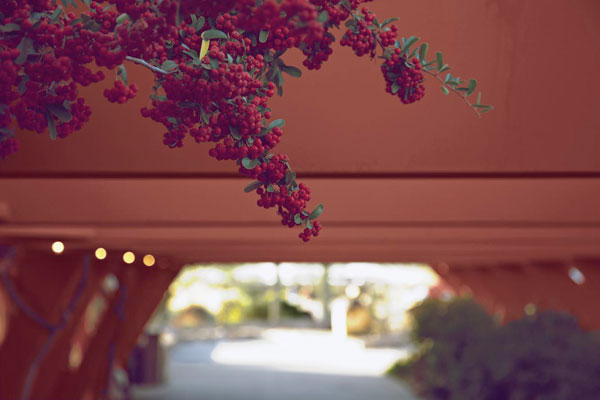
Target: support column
38, 285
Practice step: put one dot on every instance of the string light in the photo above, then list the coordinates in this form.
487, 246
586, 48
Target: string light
100, 253
149, 260
58, 247
530, 309
129, 257
576, 275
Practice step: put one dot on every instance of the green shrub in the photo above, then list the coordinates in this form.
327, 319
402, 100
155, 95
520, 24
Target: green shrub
463, 354
547, 357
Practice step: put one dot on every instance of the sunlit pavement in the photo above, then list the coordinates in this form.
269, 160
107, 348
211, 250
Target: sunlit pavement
280, 365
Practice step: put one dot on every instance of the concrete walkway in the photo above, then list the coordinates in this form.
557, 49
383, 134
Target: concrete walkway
236, 371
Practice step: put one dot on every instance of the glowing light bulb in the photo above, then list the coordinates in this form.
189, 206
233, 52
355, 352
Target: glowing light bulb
100, 253
149, 260
576, 275
530, 309
58, 247
129, 257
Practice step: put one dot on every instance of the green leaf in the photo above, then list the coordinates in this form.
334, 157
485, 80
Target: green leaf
60, 112
168, 65
389, 21
270, 189
122, 72
204, 116
10, 28
36, 16
279, 82
263, 36
444, 68
423, 52
214, 34
298, 219
253, 186
395, 87
22, 88
351, 23
471, 87
235, 133
293, 71
277, 123
51, 126
122, 18
479, 98
323, 17
193, 54
249, 163
439, 58
56, 14
316, 213
445, 90
199, 23
25, 48
290, 177
408, 44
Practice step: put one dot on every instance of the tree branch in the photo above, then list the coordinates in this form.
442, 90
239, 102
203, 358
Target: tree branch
147, 65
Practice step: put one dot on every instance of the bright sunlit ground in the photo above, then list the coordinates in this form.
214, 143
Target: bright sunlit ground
282, 364
307, 351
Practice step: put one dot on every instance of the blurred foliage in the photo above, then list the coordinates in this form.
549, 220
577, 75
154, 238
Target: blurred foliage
232, 312
192, 316
290, 311
464, 354
235, 311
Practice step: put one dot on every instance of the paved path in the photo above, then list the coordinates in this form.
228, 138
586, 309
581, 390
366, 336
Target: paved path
211, 371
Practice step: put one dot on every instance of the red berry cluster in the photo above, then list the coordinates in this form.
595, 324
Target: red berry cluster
361, 36
120, 93
221, 97
388, 36
308, 232
44, 53
403, 78
8, 146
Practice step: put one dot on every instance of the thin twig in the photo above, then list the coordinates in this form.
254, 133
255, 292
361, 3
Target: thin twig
454, 91
147, 65
438, 77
